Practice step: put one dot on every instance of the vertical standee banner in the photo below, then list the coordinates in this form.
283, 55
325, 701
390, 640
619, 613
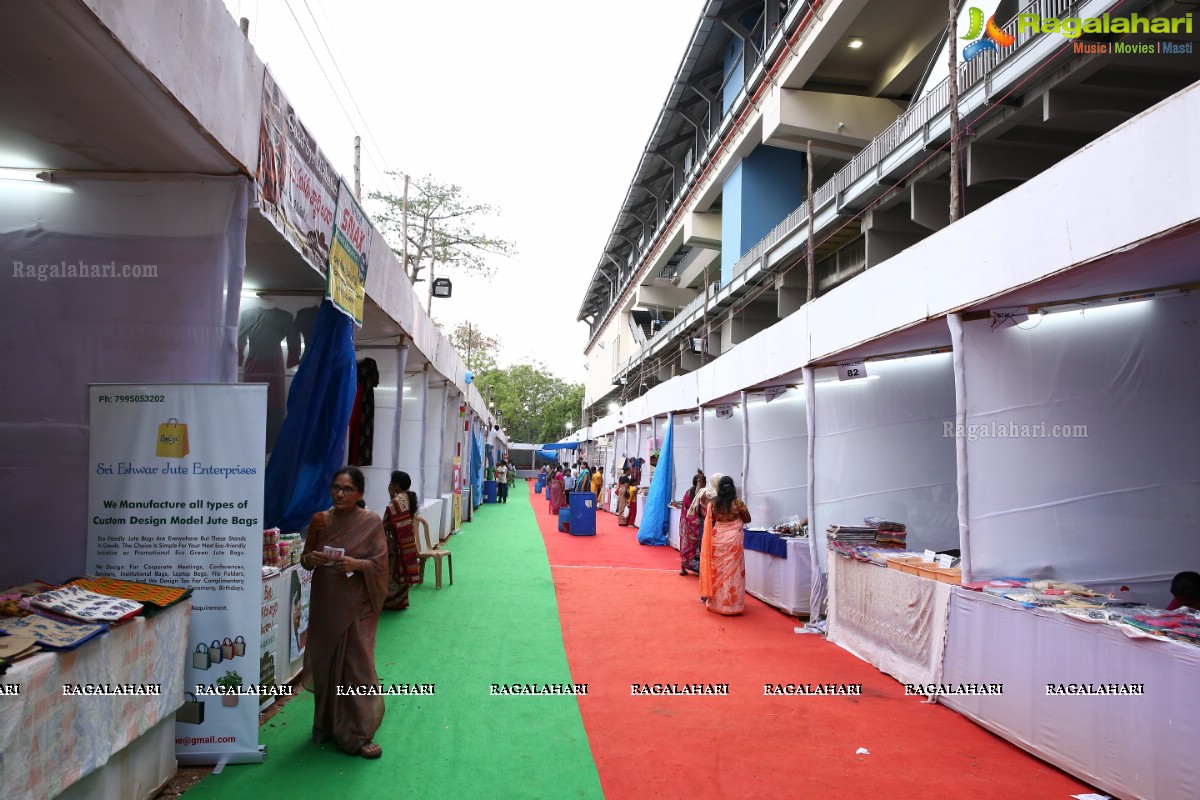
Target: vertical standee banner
175, 497
346, 282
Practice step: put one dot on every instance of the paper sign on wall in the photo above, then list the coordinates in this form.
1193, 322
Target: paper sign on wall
850, 370
725, 411
774, 391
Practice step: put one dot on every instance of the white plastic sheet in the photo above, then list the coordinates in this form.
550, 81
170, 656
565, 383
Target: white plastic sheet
881, 449
62, 333
778, 487
1102, 483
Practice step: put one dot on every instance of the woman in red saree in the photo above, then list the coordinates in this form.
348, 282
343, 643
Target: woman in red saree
691, 516
558, 494
348, 589
723, 560
404, 567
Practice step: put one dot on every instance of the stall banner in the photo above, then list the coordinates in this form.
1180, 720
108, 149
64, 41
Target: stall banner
295, 184
346, 279
191, 515
273, 600
300, 586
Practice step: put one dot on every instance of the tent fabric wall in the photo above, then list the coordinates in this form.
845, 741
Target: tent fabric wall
882, 449
1115, 503
778, 487
723, 445
685, 448
62, 333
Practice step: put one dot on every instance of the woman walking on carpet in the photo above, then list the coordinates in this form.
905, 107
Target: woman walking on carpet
691, 520
348, 590
399, 527
722, 558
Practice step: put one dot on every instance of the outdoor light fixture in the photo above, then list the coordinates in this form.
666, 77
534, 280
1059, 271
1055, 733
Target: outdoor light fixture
854, 43
9, 174
442, 287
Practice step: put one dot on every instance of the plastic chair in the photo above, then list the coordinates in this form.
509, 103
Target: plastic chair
435, 553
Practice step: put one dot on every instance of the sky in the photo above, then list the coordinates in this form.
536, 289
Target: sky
540, 109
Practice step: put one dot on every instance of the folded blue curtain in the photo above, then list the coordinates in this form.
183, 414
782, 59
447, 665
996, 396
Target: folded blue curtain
476, 467
656, 519
312, 441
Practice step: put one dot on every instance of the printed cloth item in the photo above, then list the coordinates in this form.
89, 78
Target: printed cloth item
50, 633
14, 601
161, 596
80, 604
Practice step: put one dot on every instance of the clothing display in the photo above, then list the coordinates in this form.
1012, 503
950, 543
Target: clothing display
260, 334
343, 615
362, 415
305, 324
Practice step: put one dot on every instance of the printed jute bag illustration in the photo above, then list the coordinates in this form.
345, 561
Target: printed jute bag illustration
214, 652
239, 646
172, 440
200, 658
192, 710
227, 649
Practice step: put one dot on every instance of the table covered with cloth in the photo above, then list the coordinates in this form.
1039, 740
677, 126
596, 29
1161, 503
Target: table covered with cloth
778, 570
50, 740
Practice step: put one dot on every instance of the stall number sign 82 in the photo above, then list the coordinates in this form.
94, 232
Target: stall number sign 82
851, 370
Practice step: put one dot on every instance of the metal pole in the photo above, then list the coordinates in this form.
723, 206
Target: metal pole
358, 167
441, 462
955, 176
812, 256
432, 266
424, 431
702, 469
745, 445
404, 227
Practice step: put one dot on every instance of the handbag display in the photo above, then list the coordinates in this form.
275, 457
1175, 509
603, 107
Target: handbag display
214, 652
227, 649
200, 659
192, 710
239, 645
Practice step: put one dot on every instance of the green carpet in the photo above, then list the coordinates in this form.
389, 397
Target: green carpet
498, 623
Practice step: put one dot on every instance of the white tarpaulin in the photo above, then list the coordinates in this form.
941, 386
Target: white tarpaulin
1083, 445
160, 306
778, 476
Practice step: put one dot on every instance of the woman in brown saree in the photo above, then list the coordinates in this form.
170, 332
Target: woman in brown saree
347, 594
404, 567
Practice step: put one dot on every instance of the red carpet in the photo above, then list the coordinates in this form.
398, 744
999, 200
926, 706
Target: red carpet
639, 625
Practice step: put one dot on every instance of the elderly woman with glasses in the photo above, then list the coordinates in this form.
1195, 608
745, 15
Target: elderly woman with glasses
347, 551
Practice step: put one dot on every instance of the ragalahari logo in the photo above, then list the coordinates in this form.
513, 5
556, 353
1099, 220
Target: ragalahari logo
983, 37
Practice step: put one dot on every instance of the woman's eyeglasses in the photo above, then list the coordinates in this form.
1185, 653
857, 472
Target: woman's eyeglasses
337, 488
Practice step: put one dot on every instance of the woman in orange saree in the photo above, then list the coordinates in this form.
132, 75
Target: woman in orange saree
348, 587
400, 530
722, 558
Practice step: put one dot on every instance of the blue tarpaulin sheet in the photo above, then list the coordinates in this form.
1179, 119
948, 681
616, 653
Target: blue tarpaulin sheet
656, 519
476, 467
559, 446
312, 442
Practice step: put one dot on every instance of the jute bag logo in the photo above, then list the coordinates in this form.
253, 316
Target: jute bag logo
172, 440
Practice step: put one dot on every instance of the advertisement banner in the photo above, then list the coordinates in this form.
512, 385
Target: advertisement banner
296, 186
175, 497
300, 585
346, 279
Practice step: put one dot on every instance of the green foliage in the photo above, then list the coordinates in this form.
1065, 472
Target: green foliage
230, 681
477, 350
441, 228
533, 404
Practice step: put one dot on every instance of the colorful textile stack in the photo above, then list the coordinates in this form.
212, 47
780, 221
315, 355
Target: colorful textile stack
154, 598
75, 603
849, 534
888, 534
1179, 625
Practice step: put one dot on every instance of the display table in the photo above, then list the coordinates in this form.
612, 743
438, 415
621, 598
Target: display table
784, 582
50, 741
893, 621
1127, 745
277, 589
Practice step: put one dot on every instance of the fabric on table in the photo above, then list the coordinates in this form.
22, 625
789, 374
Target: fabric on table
52, 634
764, 542
80, 604
154, 597
1126, 746
892, 620
41, 725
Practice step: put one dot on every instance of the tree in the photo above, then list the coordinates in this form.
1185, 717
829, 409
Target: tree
477, 349
441, 228
534, 404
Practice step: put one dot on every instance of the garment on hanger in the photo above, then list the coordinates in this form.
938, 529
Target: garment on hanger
362, 415
306, 321
261, 332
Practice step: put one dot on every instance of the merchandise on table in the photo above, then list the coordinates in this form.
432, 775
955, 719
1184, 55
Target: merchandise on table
14, 602
153, 597
50, 633
80, 604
